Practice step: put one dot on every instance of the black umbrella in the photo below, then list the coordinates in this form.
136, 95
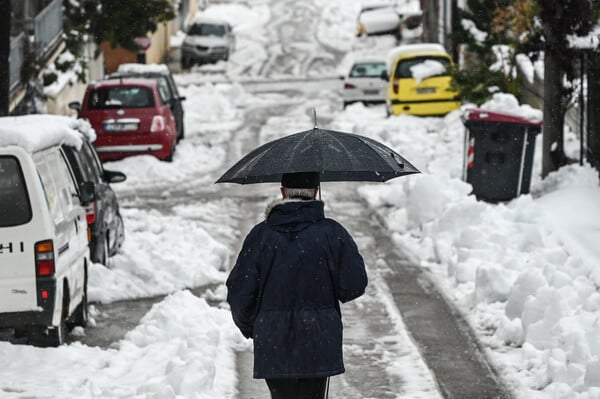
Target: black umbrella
337, 156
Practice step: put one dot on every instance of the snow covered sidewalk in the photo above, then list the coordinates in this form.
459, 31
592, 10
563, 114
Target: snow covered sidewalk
525, 273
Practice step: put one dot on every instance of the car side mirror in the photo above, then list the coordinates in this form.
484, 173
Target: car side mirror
114, 177
75, 105
384, 76
341, 77
87, 192
183, 98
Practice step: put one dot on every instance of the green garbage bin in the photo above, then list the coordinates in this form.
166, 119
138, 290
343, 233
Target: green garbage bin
499, 151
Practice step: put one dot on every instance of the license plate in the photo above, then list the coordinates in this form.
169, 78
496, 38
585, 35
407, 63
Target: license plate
371, 92
120, 127
426, 90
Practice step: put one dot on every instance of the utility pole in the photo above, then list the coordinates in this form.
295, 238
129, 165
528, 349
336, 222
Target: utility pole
5, 18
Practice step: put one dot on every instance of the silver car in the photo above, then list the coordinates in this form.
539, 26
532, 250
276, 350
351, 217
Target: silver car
364, 82
207, 40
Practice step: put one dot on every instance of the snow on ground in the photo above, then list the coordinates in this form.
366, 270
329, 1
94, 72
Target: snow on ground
182, 348
525, 272
160, 254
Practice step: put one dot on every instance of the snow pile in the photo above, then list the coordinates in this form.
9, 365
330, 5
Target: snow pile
524, 272
160, 254
183, 348
508, 104
36, 132
427, 69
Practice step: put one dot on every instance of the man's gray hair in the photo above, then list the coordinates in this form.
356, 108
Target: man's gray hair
299, 192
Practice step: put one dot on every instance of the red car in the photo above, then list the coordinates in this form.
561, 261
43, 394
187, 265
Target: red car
131, 117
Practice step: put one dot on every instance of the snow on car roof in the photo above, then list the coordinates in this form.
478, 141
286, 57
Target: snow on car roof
37, 132
372, 4
143, 68
201, 19
418, 48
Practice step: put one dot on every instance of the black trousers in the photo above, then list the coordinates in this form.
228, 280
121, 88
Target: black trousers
298, 388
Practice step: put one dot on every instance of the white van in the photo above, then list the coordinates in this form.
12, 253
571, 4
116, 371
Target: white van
44, 252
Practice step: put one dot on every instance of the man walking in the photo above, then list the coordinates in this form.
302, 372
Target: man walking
294, 269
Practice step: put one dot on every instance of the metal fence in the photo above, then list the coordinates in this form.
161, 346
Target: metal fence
48, 27
17, 56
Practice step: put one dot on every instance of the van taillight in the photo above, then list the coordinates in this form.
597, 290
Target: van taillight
158, 123
396, 86
44, 258
90, 212
349, 86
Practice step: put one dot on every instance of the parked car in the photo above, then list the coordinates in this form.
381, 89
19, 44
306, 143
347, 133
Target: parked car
103, 216
131, 117
164, 78
379, 18
44, 250
207, 40
419, 82
364, 83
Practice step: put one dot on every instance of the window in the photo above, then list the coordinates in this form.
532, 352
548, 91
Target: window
207, 30
83, 163
15, 208
163, 90
367, 70
121, 97
403, 69
49, 189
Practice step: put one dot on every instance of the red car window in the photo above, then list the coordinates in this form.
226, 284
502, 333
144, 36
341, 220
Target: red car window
121, 97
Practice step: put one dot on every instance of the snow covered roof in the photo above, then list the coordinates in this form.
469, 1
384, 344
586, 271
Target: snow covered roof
417, 48
143, 68
36, 132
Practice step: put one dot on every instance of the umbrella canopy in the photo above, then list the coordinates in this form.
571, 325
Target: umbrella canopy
337, 156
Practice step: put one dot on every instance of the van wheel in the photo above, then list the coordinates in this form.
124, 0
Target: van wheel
81, 316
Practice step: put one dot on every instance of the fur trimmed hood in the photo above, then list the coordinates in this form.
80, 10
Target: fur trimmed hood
293, 214
274, 203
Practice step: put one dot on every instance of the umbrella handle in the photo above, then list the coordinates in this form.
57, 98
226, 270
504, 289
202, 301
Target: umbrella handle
315, 117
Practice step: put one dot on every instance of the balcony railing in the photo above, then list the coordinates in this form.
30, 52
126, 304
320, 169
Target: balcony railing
48, 26
17, 56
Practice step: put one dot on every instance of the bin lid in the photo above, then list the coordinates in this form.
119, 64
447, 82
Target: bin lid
478, 114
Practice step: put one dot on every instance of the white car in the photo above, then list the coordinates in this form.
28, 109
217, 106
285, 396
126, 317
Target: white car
364, 82
379, 19
44, 250
207, 40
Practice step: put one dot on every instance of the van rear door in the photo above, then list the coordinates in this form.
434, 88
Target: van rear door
17, 265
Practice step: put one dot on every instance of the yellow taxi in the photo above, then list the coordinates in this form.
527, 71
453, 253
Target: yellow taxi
418, 81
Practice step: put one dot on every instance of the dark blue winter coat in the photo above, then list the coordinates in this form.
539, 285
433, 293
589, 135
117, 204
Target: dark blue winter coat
284, 291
